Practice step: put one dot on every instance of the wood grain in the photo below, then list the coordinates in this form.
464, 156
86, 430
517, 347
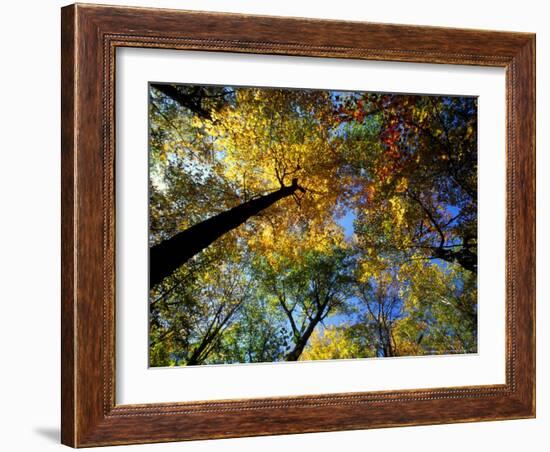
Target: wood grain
68, 244
90, 36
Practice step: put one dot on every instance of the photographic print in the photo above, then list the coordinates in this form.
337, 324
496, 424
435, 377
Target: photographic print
286, 213
300, 224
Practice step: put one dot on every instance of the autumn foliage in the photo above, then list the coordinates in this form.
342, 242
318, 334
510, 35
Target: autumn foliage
310, 224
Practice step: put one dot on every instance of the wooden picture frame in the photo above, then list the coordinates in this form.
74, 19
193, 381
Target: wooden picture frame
90, 36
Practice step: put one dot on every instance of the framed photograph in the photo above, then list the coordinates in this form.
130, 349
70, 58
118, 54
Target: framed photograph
280, 225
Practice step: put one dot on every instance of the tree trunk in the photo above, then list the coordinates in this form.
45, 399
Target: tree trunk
464, 257
169, 255
302, 342
191, 101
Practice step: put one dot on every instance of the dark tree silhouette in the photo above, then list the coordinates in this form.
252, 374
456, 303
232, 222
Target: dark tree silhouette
198, 99
169, 255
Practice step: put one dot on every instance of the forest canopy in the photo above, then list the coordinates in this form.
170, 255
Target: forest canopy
297, 224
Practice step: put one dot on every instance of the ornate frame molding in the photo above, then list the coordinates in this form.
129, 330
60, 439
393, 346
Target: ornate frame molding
90, 37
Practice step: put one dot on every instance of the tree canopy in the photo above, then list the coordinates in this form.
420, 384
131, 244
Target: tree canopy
295, 224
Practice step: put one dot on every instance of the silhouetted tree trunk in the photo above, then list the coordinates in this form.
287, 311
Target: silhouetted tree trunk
202, 351
304, 336
295, 353
169, 255
192, 98
466, 256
